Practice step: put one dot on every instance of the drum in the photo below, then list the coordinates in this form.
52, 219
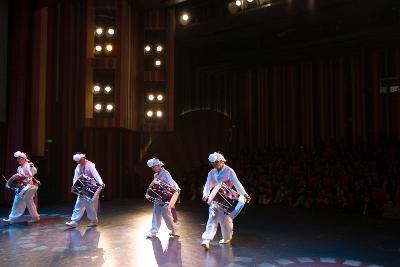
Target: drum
21, 184
86, 187
161, 193
224, 197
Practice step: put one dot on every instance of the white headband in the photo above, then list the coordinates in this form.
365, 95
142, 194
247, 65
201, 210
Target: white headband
77, 157
20, 154
154, 162
216, 157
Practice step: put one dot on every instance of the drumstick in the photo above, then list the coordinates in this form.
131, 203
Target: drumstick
7, 186
245, 206
244, 210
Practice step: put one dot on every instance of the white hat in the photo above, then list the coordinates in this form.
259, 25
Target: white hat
20, 154
216, 157
78, 156
154, 162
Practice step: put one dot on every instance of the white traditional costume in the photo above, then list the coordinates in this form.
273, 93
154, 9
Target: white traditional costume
88, 169
162, 211
27, 170
216, 215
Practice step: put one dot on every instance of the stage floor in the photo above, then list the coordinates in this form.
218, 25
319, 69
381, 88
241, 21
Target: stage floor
263, 237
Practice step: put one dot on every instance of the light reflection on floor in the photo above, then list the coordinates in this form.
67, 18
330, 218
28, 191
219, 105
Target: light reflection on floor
119, 240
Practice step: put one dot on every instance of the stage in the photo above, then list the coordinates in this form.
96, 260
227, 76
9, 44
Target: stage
263, 237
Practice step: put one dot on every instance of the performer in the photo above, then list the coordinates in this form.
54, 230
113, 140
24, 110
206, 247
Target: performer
87, 168
220, 173
26, 171
160, 173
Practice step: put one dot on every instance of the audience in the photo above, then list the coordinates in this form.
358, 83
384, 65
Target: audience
362, 179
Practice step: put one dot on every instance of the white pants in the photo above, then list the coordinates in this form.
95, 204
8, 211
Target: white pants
83, 204
217, 216
19, 205
165, 213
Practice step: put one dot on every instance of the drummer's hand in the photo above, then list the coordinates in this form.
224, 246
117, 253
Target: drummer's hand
204, 198
248, 198
103, 186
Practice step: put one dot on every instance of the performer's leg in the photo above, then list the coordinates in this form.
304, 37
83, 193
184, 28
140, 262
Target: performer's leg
174, 215
168, 219
18, 208
156, 220
91, 210
226, 224
79, 209
30, 203
36, 200
212, 224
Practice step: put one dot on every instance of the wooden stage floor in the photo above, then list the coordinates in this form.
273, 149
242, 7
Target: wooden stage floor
263, 237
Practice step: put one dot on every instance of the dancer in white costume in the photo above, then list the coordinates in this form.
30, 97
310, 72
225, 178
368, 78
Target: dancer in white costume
27, 170
161, 174
220, 173
87, 168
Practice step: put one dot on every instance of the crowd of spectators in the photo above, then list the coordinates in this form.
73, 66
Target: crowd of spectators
363, 179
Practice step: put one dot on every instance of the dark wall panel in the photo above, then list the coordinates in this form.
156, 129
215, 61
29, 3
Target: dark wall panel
3, 58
